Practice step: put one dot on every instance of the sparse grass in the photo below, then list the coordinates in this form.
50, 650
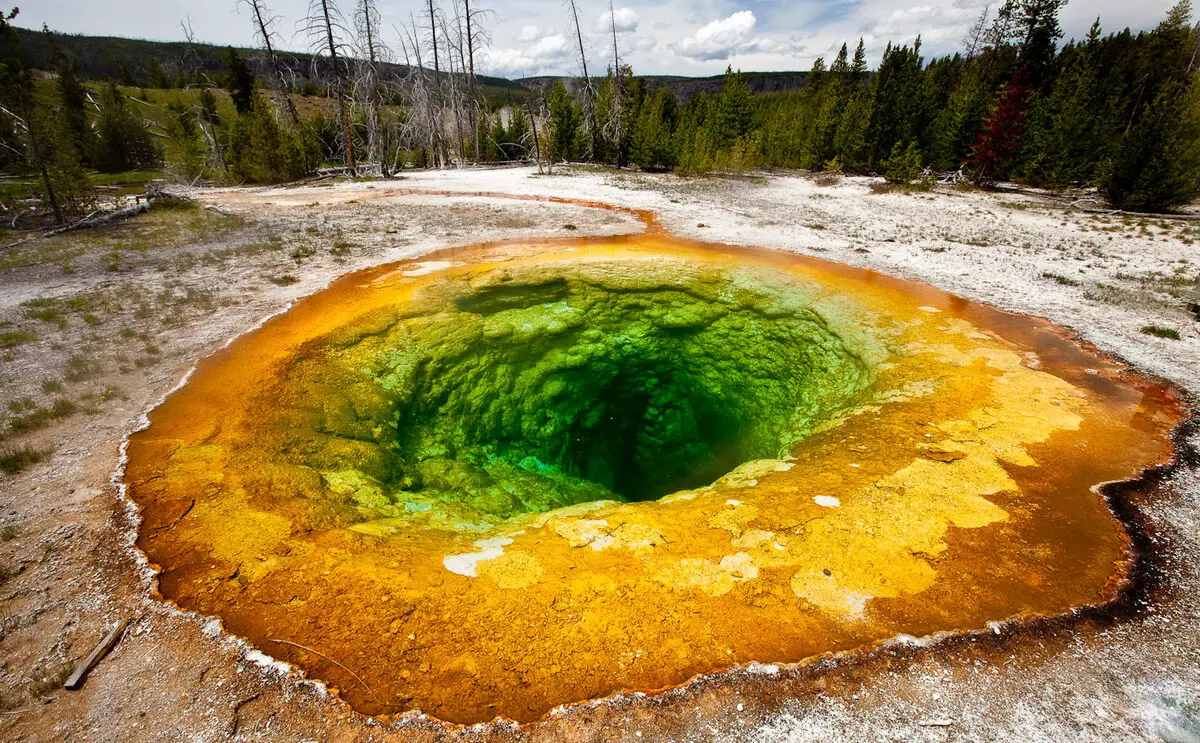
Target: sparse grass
301, 252
12, 461
341, 249
42, 417
1159, 331
920, 186
46, 310
51, 386
22, 405
1061, 280
286, 279
13, 338
80, 367
9, 533
516, 222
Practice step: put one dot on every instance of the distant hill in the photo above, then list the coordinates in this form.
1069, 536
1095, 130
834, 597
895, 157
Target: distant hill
141, 63
687, 87
137, 62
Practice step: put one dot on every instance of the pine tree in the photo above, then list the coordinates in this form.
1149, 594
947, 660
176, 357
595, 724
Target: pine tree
1036, 23
898, 100
732, 119
1001, 136
73, 118
1158, 166
1156, 163
858, 68
240, 81
261, 151
903, 164
957, 125
852, 143
1064, 131
653, 138
566, 118
124, 144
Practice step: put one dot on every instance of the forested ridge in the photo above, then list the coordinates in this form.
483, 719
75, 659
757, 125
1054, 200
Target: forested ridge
1118, 111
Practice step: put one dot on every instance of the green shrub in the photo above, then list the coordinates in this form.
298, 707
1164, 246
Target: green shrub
903, 166
1159, 331
12, 461
261, 151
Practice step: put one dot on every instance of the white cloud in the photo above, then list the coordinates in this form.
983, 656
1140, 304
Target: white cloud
671, 36
544, 51
627, 21
722, 39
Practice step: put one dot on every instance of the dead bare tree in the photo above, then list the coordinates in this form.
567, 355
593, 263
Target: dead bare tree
477, 38
616, 112
973, 41
263, 23
589, 92
369, 89
423, 125
456, 98
326, 31
206, 117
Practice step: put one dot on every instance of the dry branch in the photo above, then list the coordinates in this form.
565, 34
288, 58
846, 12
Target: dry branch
97, 655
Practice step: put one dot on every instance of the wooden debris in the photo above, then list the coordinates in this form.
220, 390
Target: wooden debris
218, 209
97, 655
935, 723
96, 220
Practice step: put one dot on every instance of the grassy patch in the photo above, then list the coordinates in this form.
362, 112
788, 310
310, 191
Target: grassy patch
80, 367
16, 338
286, 279
1058, 279
41, 417
12, 461
1159, 331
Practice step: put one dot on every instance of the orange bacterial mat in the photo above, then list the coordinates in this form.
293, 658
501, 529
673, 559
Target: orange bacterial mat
503, 478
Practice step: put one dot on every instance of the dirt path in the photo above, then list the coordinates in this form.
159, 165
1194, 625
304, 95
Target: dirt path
109, 321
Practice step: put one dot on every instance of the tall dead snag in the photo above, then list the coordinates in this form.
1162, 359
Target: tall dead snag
263, 21
477, 38
369, 90
435, 92
422, 125
205, 110
616, 113
589, 92
325, 31
457, 84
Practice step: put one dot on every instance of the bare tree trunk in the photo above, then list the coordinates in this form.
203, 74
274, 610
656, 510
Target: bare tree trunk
617, 112
36, 145
367, 84
262, 22
537, 143
324, 25
589, 94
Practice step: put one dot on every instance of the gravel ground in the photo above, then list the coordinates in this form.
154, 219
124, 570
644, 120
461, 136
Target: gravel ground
112, 335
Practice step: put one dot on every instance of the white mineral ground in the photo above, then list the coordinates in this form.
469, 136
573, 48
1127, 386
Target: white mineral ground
176, 677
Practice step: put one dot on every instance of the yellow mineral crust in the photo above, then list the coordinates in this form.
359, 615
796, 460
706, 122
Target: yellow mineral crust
955, 490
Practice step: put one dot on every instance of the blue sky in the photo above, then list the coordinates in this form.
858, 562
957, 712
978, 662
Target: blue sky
684, 37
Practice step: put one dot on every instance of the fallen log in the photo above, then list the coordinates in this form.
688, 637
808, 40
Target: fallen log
83, 669
100, 219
